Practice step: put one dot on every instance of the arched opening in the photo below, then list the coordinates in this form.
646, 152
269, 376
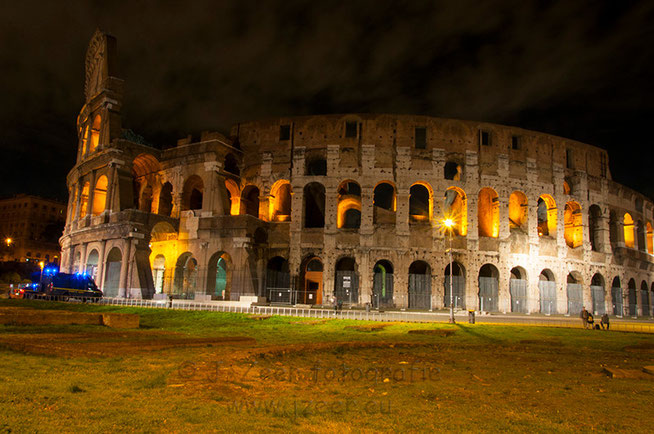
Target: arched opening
598, 294
77, 263
420, 285
186, 275
384, 204
421, 204
547, 291
616, 297
628, 224
452, 171
458, 286
219, 276
632, 297
566, 187
348, 214
595, 227
644, 298
192, 193
310, 292
158, 273
314, 205
280, 201
231, 165
455, 207
650, 239
346, 282
145, 169
574, 293
95, 133
278, 281
382, 285
166, 200
84, 200
233, 207
574, 229
316, 167
518, 289
112, 268
85, 140
518, 211
250, 201
488, 288
488, 213
546, 216
100, 196
92, 264
641, 239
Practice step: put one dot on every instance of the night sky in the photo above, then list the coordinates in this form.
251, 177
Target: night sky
578, 69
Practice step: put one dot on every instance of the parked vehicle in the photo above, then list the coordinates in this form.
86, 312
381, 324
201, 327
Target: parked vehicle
79, 285
24, 291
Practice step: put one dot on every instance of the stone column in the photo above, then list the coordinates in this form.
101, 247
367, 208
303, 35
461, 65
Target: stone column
124, 268
402, 213
89, 205
504, 217
101, 265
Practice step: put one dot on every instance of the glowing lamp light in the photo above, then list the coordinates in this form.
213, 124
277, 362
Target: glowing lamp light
41, 264
448, 223
9, 241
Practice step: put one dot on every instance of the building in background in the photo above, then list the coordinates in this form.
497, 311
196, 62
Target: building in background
31, 227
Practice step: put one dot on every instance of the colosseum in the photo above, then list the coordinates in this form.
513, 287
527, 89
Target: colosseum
297, 210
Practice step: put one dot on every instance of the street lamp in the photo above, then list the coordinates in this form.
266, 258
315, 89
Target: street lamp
8, 241
449, 224
41, 264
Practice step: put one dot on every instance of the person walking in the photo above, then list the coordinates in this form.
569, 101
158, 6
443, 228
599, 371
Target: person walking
584, 317
605, 321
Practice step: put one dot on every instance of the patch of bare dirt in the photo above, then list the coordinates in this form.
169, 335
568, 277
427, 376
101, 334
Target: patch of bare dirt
547, 342
437, 332
109, 344
644, 347
368, 328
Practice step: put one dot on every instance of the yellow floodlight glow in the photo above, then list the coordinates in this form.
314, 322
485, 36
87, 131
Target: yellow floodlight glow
9, 241
41, 264
448, 223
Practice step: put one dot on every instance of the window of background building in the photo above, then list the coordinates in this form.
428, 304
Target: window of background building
351, 129
284, 132
515, 143
421, 137
484, 138
568, 159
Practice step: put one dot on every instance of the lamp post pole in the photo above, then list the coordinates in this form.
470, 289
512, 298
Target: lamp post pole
451, 292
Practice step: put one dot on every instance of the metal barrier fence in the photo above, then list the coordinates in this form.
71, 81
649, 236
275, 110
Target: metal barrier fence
360, 315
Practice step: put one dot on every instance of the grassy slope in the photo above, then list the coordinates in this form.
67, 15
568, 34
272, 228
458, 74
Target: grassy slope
489, 379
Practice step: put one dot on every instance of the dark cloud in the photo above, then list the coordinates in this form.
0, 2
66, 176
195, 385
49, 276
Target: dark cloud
580, 69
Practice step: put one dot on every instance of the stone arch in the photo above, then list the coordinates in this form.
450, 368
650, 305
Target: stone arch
644, 298
382, 286
112, 268
280, 201
632, 297
518, 210
346, 282
452, 171
628, 226
145, 168
186, 275
233, 197
421, 202
192, 193
547, 291
92, 262
314, 205
650, 238
488, 294
598, 293
384, 203
95, 133
574, 229
166, 200
278, 281
616, 296
100, 195
458, 285
518, 289
348, 214
158, 273
488, 213
455, 207
311, 277
419, 285
250, 201
84, 200
546, 216
595, 227
219, 276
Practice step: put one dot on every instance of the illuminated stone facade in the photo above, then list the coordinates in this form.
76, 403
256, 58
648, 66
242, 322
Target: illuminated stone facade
299, 209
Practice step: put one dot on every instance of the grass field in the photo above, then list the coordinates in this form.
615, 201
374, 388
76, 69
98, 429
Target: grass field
183, 371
